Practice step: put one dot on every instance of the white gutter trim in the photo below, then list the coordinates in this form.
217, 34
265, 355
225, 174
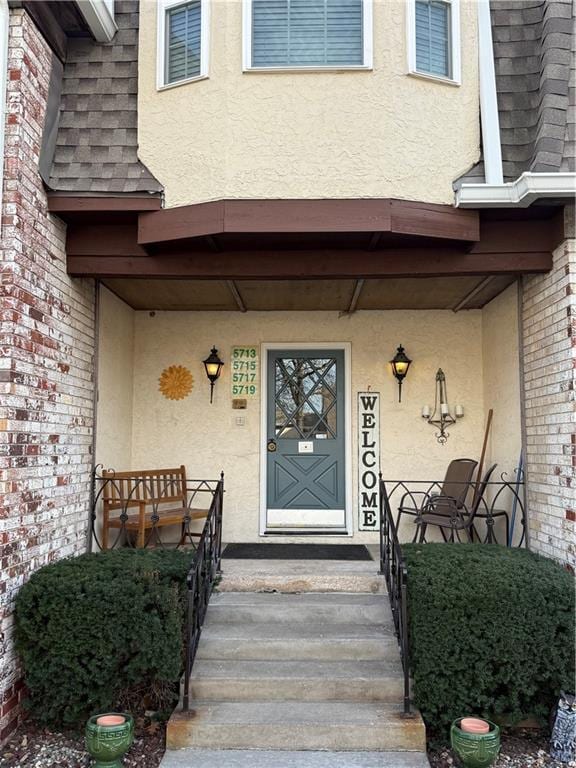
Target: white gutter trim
4, 26
517, 194
491, 148
99, 15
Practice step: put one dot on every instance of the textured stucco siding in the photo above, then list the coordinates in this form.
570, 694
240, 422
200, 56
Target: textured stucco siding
115, 381
501, 377
206, 439
379, 133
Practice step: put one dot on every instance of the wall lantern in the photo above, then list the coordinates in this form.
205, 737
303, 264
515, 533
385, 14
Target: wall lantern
213, 366
441, 416
400, 364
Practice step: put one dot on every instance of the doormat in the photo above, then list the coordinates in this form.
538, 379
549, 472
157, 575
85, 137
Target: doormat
297, 552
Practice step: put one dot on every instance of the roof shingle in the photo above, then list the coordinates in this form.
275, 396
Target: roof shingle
96, 145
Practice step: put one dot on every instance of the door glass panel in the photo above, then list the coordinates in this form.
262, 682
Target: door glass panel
305, 398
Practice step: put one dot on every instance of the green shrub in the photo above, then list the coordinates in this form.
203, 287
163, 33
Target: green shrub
90, 628
491, 631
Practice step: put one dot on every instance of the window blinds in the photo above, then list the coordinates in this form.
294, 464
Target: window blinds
433, 37
183, 27
307, 33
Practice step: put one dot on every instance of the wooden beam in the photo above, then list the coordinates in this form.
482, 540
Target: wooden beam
354, 298
269, 216
62, 204
232, 287
320, 264
461, 304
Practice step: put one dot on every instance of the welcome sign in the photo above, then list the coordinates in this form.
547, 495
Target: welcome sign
368, 460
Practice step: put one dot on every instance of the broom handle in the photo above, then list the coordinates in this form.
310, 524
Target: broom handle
483, 455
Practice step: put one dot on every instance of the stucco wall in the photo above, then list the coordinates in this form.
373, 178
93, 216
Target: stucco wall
379, 133
205, 438
501, 376
115, 382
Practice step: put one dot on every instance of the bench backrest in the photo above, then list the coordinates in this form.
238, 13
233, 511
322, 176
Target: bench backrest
154, 486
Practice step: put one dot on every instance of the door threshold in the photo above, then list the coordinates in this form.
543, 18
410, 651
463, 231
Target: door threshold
295, 532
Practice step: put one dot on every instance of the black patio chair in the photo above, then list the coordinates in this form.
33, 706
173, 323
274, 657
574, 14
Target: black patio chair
452, 493
460, 518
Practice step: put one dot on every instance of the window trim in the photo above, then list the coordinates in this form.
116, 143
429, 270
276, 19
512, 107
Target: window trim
368, 45
163, 7
455, 46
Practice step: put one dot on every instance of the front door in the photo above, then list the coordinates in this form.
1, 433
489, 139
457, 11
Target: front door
305, 441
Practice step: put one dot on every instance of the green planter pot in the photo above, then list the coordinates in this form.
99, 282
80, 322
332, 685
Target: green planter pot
475, 750
107, 744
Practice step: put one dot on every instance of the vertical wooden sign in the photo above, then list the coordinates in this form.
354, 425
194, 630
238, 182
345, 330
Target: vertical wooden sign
368, 460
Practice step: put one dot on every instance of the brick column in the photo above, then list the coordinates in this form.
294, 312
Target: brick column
46, 362
549, 345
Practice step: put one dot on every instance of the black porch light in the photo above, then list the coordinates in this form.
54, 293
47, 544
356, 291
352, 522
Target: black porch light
400, 364
213, 366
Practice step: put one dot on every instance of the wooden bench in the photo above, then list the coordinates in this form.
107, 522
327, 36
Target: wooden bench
158, 497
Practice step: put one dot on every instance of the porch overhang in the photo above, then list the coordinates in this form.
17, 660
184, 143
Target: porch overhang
236, 242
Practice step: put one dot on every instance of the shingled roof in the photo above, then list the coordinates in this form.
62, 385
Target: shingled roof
96, 142
535, 65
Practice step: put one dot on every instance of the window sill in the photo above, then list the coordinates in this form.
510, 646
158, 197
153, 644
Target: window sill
435, 78
168, 86
289, 70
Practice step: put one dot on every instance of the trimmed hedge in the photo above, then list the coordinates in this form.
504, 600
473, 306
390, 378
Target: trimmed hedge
491, 631
90, 628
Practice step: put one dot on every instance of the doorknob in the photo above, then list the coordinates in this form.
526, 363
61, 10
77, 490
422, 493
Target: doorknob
271, 446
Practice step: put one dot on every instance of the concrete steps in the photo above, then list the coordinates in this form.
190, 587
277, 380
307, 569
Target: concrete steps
282, 725
296, 680
301, 576
323, 642
214, 758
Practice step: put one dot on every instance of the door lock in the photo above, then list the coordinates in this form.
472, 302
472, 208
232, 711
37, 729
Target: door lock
271, 446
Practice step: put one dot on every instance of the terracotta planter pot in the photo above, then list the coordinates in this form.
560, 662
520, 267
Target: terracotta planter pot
108, 738
475, 750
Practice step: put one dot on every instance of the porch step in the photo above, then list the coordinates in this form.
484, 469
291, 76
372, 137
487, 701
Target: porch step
337, 608
291, 576
323, 642
297, 680
216, 758
282, 725
278, 676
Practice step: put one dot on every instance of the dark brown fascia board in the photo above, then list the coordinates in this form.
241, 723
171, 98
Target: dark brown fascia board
71, 204
267, 216
313, 265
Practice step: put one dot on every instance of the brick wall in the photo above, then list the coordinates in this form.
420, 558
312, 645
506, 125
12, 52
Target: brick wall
46, 362
549, 329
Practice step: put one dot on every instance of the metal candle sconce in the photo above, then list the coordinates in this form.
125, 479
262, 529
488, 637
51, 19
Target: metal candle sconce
441, 418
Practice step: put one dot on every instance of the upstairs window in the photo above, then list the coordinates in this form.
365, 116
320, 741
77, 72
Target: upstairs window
307, 34
183, 41
434, 47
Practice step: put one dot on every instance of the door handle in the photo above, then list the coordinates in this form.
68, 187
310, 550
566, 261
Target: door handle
271, 446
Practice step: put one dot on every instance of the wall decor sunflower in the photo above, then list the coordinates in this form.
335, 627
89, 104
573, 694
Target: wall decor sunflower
176, 382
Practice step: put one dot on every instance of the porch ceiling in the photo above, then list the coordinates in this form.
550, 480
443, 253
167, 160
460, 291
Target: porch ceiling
309, 295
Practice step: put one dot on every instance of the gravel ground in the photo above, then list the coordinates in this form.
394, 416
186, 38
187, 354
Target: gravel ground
31, 747
519, 750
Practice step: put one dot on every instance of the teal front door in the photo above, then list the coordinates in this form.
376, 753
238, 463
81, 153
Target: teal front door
305, 441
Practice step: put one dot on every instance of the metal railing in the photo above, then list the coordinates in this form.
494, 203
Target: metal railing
201, 579
501, 506
394, 569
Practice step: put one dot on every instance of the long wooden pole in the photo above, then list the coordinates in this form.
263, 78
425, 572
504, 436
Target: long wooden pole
483, 454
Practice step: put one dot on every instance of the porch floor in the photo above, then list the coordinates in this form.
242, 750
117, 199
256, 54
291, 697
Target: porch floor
293, 576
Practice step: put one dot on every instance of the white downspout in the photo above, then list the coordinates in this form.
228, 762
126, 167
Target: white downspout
488, 99
493, 192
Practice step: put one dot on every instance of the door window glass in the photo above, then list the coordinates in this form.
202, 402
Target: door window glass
305, 398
